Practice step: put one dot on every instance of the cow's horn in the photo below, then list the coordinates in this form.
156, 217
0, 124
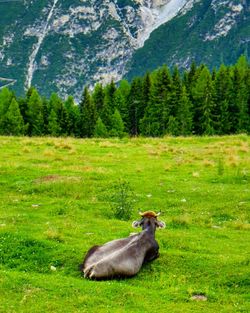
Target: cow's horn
158, 214
148, 214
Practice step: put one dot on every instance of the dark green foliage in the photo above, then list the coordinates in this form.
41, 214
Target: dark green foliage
109, 104
100, 130
184, 114
156, 117
73, 115
13, 121
98, 97
203, 94
5, 100
53, 125
88, 115
117, 125
135, 106
223, 98
160, 103
62, 115
121, 103
35, 114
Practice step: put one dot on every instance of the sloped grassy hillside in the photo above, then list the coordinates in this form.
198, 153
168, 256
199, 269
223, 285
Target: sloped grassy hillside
54, 206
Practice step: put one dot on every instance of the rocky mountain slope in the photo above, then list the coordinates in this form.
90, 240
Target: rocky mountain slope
211, 32
60, 45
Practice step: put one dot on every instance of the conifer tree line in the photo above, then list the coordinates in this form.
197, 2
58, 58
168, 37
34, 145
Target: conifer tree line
197, 101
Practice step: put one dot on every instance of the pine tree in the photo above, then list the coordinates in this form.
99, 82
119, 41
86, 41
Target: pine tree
109, 91
35, 114
146, 90
203, 94
135, 106
98, 97
223, 93
239, 109
172, 126
156, 117
122, 105
88, 116
23, 106
53, 124
117, 128
124, 88
192, 75
45, 105
13, 120
184, 114
248, 95
106, 113
73, 114
57, 105
6, 97
176, 92
100, 130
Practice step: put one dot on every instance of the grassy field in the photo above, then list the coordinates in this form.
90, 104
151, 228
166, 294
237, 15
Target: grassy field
54, 205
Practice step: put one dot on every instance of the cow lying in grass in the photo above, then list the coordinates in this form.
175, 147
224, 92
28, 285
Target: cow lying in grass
124, 257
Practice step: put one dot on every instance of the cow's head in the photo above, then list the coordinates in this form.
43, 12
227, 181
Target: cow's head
149, 219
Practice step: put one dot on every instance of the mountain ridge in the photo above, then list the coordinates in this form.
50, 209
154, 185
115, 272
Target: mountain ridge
61, 46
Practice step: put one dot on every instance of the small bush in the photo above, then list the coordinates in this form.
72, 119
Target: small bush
122, 200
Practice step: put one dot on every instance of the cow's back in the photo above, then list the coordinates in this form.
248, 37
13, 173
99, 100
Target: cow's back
122, 257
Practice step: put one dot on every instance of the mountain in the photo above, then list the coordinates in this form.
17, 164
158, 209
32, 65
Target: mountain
61, 45
211, 32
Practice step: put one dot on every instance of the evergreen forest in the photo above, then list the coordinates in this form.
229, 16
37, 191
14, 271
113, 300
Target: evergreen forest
197, 101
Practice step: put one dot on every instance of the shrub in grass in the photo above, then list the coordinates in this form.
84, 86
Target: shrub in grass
122, 200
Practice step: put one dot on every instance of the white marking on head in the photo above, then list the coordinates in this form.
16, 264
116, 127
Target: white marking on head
136, 224
160, 224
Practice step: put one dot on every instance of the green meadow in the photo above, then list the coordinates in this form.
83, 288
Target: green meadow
55, 204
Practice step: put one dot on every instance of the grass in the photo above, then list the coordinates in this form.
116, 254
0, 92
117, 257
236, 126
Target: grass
54, 206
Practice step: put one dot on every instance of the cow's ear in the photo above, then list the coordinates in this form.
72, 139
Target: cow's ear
160, 224
136, 224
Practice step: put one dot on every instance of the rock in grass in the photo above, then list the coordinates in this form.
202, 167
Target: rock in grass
199, 298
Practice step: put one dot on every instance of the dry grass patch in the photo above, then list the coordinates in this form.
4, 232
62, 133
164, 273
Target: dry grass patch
208, 163
108, 144
63, 145
233, 161
240, 225
26, 150
48, 153
196, 174
48, 178
154, 152
229, 151
56, 178
58, 158
167, 168
244, 147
